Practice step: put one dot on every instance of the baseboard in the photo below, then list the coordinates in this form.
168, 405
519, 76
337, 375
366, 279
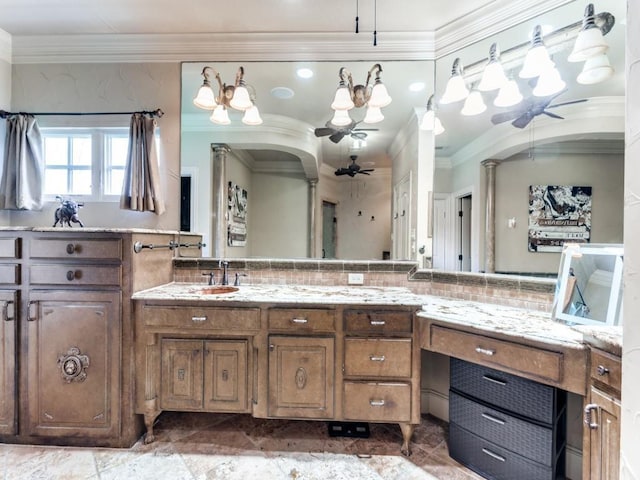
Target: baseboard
434, 403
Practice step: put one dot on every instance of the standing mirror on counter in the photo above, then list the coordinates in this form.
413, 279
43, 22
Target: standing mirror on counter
590, 285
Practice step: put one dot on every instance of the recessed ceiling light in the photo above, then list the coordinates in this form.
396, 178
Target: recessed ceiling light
305, 72
417, 86
282, 93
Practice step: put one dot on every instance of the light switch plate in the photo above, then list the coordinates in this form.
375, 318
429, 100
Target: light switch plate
355, 279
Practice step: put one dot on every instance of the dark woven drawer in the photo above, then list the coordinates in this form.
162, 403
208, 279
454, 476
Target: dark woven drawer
518, 395
528, 439
492, 461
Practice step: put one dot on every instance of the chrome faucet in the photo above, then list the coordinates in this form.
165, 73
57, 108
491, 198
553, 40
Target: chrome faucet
225, 272
237, 281
212, 280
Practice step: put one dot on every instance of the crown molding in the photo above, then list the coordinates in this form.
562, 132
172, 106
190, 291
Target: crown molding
489, 20
119, 48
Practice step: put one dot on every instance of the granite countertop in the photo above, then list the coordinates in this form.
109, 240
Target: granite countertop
521, 323
302, 294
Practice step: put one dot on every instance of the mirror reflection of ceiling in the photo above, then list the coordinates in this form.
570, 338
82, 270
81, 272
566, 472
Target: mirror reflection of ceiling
467, 136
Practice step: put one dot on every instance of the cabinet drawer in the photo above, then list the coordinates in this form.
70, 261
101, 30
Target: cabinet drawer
510, 392
230, 320
377, 357
531, 361
302, 319
108, 249
378, 321
493, 461
10, 274
9, 247
524, 438
384, 402
606, 368
75, 274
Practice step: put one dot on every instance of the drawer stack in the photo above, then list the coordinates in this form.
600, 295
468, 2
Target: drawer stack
506, 427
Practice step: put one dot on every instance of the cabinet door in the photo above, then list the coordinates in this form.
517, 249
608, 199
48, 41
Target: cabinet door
225, 376
301, 377
7, 363
604, 437
74, 363
181, 374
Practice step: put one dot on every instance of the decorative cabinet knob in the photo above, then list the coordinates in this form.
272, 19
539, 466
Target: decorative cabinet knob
602, 370
71, 248
71, 275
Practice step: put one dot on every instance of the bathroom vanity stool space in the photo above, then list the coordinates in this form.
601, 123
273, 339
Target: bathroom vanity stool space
313, 359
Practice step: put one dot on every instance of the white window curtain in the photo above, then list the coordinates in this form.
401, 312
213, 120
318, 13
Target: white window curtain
141, 187
22, 180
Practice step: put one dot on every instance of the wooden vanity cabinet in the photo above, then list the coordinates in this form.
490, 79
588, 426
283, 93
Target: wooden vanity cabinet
602, 410
8, 376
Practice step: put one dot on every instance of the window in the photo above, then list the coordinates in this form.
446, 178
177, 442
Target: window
88, 163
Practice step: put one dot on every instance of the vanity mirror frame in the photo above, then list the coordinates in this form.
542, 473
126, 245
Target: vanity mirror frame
582, 282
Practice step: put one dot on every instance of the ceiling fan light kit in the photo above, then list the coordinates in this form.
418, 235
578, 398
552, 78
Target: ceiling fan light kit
474, 104
235, 96
509, 95
353, 169
549, 83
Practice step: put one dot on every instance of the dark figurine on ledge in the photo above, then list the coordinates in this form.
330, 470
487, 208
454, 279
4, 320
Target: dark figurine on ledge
67, 212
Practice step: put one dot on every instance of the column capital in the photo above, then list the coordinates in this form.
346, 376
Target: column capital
220, 148
490, 162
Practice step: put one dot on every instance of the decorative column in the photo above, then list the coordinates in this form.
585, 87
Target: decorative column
312, 218
490, 220
219, 200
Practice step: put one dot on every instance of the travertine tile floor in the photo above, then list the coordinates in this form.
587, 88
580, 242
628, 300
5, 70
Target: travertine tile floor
233, 447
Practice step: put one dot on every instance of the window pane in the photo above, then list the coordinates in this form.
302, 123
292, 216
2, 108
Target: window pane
114, 185
119, 147
81, 151
55, 182
55, 150
81, 182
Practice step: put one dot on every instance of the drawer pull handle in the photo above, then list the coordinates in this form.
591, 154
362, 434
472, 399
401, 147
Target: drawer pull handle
376, 403
71, 248
602, 370
71, 275
494, 380
485, 351
199, 319
300, 320
486, 451
493, 419
376, 358
377, 323
588, 419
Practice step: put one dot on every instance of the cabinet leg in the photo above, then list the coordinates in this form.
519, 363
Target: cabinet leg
150, 415
407, 432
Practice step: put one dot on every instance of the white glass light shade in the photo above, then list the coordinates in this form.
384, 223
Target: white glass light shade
493, 77
241, 99
590, 40
252, 116
474, 104
438, 128
220, 116
342, 99
431, 122
374, 115
205, 98
549, 83
597, 69
341, 118
536, 62
509, 95
455, 90
379, 96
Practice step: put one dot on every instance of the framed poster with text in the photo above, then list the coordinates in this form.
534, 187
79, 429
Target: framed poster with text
237, 216
558, 214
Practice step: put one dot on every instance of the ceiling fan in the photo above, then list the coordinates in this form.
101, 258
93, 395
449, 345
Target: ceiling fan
336, 133
353, 168
532, 107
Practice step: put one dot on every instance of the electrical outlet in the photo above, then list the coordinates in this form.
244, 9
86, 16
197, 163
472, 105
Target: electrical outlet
356, 279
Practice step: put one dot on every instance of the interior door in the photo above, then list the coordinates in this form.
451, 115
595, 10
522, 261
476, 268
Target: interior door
329, 230
402, 219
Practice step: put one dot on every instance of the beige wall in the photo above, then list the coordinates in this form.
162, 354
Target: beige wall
106, 88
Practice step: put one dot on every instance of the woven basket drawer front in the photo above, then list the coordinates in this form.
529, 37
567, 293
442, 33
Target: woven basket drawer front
518, 395
527, 439
492, 461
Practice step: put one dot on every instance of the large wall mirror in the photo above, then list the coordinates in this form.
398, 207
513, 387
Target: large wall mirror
288, 162
583, 148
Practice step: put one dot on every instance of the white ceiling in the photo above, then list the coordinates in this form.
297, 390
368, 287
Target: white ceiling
317, 32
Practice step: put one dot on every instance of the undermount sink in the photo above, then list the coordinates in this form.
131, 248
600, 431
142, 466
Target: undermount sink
218, 290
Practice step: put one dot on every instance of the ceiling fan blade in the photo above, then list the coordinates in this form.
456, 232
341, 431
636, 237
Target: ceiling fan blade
337, 136
570, 102
552, 115
341, 171
506, 116
363, 172
367, 170
323, 131
523, 120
